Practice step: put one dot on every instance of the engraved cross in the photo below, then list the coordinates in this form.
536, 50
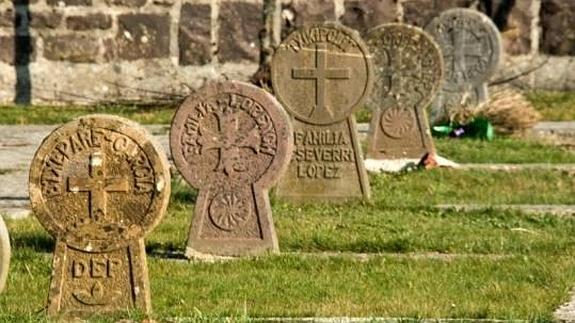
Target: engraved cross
320, 74
460, 48
97, 185
396, 72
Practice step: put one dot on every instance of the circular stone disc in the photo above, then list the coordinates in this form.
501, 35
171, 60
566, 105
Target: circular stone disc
4, 253
471, 46
231, 133
321, 73
408, 66
99, 182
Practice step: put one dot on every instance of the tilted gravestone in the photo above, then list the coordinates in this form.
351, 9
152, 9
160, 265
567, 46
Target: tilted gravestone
232, 141
321, 73
98, 184
471, 46
4, 254
408, 72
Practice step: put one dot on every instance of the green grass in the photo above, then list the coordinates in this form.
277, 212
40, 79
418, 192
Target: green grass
554, 106
491, 264
502, 150
60, 114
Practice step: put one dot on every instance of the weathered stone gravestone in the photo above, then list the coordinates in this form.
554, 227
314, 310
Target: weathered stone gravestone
408, 73
471, 47
99, 184
4, 254
232, 141
321, 73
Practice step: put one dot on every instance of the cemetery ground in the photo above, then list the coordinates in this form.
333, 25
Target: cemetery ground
399, 255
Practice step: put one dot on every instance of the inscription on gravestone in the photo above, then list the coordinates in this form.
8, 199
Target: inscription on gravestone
99, 184
471, 47
321, 73
4, 254
408, 72
232, 141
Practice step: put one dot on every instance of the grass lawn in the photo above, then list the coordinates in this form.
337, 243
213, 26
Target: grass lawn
492, 264
554, 106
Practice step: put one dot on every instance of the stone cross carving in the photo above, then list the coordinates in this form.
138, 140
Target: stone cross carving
327, 162
321, 73
232, 141
471, 47
99, 185
409, 70
4, 254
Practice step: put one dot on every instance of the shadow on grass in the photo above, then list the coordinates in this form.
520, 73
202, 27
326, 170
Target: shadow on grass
32, 240
182, 192
165, 250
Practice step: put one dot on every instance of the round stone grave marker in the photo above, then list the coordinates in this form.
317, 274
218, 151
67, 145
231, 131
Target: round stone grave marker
232, 141
408, 73
471, 46
99, 184
4, 254
322, 73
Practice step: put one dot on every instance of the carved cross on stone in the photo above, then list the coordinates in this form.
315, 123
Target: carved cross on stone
321, 73
457, 49
228, 140
97, 185
397, 72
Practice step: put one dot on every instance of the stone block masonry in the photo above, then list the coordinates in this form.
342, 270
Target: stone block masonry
88, 51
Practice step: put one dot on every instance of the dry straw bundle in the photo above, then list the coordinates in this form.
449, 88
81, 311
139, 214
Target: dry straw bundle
507, 109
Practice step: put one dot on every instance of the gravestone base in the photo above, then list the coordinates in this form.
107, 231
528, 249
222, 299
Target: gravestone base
84, 283
327, 164
448, 103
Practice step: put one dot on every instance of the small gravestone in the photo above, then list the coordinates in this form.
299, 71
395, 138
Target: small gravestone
4, 254
471, 47
321, 74
98, 184
232, 141
408, 72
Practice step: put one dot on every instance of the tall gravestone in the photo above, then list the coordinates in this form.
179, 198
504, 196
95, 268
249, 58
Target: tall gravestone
321, 73
408, 73
232, 141
471, 47
99, 184
4, 254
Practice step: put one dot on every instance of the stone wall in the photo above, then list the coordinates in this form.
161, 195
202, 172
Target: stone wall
88, 51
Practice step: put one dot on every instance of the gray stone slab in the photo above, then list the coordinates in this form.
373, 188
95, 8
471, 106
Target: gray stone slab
558, 210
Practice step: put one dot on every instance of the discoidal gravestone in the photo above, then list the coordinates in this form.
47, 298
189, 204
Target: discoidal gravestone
99, 184
321, 74
232, 141
471, 46
4, 254
408, 73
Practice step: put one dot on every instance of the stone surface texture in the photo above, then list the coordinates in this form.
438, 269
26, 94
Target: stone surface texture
408, 73
232, 141
4, 254
99, 184
321, 74
156, 46
471, 47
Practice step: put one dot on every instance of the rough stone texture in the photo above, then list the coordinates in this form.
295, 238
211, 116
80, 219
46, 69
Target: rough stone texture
421, 12
87, 22
233, 153
143, 36
300, 12
322, 73
126, 3
4, 254
240, 25
19, 50
76, 48
408, 73
557, 21
44, 19
194, 34
365, 14
62, 3
99, 184
471, 47
7, 18
513, 19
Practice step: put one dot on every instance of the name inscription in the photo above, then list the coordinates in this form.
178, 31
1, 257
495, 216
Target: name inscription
321, 154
